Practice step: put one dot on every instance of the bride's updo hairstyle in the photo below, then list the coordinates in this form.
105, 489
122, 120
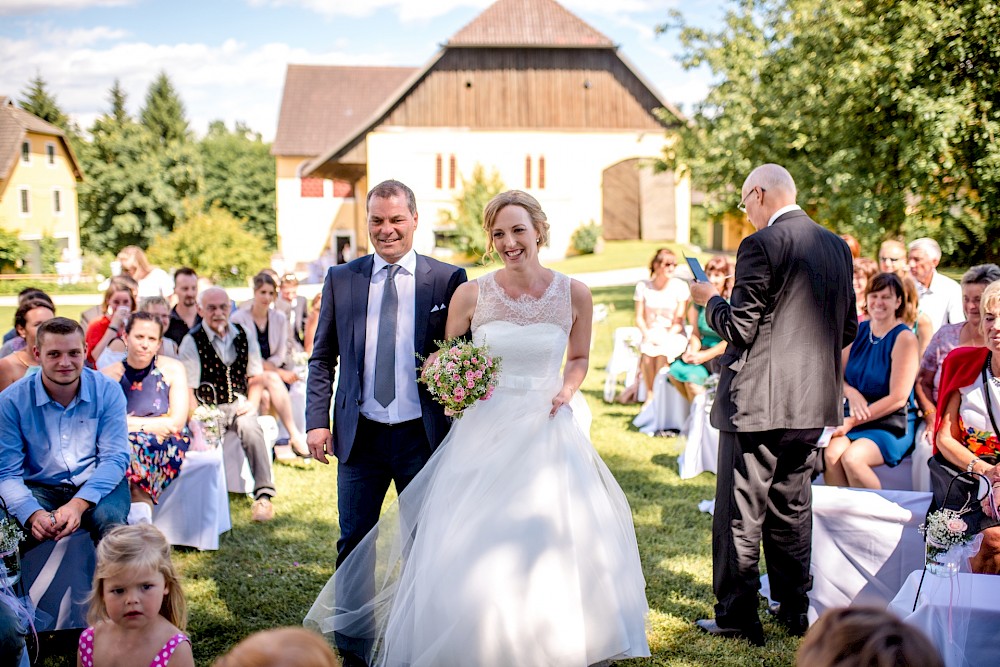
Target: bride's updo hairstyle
515, 198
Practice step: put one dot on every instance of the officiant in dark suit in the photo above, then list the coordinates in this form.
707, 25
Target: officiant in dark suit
378, 312
791, 313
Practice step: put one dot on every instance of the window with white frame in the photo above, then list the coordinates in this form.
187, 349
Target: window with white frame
57, 201
26, 152
50, 154
24, 193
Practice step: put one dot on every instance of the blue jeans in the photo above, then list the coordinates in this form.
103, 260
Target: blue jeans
111, 511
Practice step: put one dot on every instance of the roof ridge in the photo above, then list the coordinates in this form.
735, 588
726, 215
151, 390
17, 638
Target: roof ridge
538, 23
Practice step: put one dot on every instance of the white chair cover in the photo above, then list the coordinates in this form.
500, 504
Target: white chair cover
960, 615
667, 411
194, 510
624, 360
923, 449
58, 577
701, 446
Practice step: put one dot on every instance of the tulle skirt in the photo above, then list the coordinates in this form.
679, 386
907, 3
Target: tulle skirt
513, 546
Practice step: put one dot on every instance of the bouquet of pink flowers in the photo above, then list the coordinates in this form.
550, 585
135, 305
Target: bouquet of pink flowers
461, 375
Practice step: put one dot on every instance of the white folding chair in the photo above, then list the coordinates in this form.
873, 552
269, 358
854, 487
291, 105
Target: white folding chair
624, 360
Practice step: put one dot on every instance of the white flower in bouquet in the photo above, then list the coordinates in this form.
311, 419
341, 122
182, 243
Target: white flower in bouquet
300, 358
210, 418
10, 535
946, 528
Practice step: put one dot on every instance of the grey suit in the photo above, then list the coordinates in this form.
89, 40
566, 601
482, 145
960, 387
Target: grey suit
792, 311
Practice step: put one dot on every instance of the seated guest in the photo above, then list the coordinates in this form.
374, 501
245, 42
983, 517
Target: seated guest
704, 347
865, 637
880, 367
864, 270
312, 323
160, 307
185, 314
150, 280
23, 362
64, 442
966, 430
12, 341
119, 302
963, 334
156, 395
660, 307
294, 307
224, 368
271, 330
940, 296
892, 257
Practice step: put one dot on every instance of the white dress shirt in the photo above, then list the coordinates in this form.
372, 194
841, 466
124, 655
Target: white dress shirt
781, 211
406, 405
942, 301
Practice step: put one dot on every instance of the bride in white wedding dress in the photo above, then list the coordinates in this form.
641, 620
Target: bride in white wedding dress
514, 545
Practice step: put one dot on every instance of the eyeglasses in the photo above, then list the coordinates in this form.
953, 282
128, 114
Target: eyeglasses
742, 208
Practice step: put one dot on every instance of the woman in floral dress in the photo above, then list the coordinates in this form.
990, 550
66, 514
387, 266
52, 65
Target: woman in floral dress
156, 392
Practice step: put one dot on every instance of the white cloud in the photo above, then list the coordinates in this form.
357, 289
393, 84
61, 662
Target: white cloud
23, 7
229, 80
407, 10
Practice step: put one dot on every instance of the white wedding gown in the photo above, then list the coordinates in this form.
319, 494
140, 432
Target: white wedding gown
514, 545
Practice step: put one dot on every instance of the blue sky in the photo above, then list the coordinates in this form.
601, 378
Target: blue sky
227, 58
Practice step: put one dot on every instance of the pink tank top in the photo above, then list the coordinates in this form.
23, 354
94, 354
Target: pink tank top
161, 659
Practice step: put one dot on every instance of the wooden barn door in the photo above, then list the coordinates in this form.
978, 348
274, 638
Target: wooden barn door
621, 195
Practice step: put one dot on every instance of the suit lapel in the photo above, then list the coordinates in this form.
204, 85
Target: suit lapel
424, 291
360, 282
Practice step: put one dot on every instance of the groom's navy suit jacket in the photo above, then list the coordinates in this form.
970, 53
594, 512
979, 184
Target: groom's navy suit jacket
340, 337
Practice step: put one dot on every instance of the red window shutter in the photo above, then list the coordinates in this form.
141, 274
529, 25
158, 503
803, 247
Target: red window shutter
541, 172
451, 171
342, 188
527, 173
311, 187
438, 172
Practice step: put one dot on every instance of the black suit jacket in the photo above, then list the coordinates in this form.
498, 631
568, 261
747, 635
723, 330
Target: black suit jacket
791, 313
340, 337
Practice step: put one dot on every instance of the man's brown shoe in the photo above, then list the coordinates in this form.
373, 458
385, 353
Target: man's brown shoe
262, 510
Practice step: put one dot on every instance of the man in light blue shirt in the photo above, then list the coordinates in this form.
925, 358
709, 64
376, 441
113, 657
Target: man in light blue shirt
64, 442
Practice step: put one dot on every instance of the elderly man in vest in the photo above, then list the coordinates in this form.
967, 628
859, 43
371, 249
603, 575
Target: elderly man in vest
224, 367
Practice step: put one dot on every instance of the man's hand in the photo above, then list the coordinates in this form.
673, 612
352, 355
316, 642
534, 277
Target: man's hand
701, 293
43, 525
68, 516
320, 443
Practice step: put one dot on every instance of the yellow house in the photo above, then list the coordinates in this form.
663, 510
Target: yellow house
38, 177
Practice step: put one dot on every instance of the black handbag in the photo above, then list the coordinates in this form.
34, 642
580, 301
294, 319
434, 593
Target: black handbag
894, 422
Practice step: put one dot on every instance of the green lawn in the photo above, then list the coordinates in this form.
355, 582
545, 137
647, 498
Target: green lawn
267, 575
616, 255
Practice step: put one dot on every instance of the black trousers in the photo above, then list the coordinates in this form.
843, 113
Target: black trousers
763, 494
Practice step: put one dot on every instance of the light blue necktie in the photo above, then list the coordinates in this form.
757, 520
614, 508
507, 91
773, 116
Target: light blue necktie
385, 352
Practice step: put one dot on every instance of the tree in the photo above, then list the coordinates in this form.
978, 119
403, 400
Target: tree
37, 99
163, 113
118, 99
135, 185
213, 243
467, 235
240, 177
884, 112
12, 251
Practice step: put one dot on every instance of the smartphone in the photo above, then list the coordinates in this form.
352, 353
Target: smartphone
696, 270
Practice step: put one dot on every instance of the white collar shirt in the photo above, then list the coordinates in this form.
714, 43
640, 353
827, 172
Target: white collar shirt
942, 301
406, 405
781, 211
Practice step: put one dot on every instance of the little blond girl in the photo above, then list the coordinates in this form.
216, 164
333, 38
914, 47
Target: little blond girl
137, 607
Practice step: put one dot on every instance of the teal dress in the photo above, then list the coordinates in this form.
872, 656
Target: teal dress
697, 373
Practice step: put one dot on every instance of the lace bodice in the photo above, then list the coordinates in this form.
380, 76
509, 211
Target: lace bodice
529, 334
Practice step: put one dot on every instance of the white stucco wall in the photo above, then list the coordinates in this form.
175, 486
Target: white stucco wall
574, 162
303, 223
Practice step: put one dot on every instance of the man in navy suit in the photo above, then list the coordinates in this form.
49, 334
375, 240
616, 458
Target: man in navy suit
378, 312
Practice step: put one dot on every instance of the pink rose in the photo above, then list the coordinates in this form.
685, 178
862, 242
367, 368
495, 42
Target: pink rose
475, 360
450, 366
479, 374
454, 349
470, 384
456, 377
459, 394
957, 526
465, 363
489, 392
470, 375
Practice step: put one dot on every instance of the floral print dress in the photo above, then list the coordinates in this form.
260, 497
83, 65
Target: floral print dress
154, 462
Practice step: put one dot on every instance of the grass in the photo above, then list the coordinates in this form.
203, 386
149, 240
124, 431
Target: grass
267, 575
616, 255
